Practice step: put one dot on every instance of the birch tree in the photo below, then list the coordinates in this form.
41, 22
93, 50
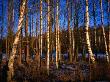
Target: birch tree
108, 9
103, 31
10, 28
41, 21
76, 25
26, 33
69, 32
73, 38
57, 36
48, 42
87, 34
59, 47
20, 48
16, 40
94, 16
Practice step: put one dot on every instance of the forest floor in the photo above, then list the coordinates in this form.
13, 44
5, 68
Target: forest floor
67, 72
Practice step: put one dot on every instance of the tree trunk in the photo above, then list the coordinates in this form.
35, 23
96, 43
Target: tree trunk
20, 50
41, 29
103, 31
87, 34
94, 9
59, 47
10, 26
76, 32
26, 34
50, 30
57, 37
109, 28
13, 54
48, 42
72, 33
32, 26
69, 32
73, 43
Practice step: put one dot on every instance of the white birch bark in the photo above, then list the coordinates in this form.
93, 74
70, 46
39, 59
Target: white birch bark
87, 34
73, 44
48, 43
103, 31
13, 54
41, 21
57, 36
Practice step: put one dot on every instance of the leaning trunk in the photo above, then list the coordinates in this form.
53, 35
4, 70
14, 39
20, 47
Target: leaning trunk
109, 28
103, 31
87, 34
14, 49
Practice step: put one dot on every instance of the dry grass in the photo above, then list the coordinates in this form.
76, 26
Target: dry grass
67, 72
